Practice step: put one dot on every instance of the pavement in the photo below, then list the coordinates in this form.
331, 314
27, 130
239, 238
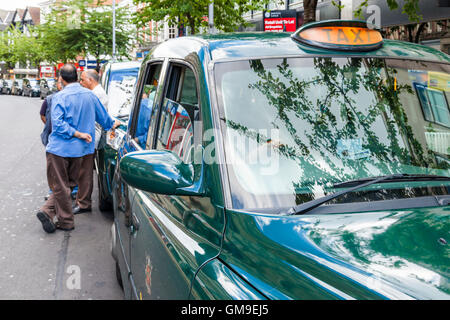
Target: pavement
33, 264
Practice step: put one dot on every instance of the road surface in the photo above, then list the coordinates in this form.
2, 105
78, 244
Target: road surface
34, 264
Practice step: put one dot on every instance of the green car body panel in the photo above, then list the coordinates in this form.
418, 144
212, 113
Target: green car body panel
106, 161
369, 255
192, 244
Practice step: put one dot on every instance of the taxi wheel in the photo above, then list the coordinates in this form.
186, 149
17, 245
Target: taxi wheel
103, 204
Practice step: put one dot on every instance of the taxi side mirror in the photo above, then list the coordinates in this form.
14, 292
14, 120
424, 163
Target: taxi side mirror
160, 171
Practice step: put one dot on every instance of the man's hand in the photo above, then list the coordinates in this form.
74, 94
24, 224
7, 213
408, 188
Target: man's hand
83, 136
116, 124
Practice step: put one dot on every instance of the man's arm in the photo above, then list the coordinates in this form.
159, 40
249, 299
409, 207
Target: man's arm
43, 111
59, 125
84, 136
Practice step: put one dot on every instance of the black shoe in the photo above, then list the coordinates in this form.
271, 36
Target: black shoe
47, 223
77, 210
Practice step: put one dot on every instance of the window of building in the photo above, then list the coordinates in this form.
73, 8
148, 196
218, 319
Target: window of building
172, 32
434, 105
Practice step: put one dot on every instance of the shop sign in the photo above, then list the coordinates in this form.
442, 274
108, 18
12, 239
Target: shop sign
280, 21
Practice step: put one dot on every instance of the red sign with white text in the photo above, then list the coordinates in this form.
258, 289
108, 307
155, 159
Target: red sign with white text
280, 20
280, 24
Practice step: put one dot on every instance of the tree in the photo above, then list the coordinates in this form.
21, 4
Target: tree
309, 14
60, 42
28, 48
7, 52
16, 46
77, 27
96, 31
228, 14
410, 7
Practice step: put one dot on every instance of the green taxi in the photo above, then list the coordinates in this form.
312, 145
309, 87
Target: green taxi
312, 165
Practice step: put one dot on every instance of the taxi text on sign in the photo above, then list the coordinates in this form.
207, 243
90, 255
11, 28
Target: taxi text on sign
342, 35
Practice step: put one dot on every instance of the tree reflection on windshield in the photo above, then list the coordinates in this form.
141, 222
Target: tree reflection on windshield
339, 119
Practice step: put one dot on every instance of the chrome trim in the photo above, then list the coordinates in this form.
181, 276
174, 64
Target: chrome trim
341, 55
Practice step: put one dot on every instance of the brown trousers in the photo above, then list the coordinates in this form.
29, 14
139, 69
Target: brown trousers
86, 181
62, 174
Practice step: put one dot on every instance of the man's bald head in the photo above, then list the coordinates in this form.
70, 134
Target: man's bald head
89, 79
68, 73
93, 74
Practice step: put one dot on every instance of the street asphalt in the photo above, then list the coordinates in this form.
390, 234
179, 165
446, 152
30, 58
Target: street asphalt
33, 264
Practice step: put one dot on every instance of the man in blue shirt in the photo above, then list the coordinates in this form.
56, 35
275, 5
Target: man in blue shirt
73, 115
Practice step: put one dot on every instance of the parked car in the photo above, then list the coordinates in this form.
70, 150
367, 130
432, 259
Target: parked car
31, 87
277, 166
7, 86
17, 87
118, 80
47, 87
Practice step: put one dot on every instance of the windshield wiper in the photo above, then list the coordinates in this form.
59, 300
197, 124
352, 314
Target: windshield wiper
399, 177
307, 206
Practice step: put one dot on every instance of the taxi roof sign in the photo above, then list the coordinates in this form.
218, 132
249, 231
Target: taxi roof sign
340, 35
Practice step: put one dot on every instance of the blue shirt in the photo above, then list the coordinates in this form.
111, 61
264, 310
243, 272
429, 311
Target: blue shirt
75, 109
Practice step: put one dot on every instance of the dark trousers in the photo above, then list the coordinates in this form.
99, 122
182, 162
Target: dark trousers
86, 181
62, 174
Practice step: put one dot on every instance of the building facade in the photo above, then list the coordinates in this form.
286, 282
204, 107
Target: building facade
153, 33
432, 30
23, 20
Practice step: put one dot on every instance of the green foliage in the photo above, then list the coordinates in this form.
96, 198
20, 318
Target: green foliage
78, 27
228, 14
16, 46
7, 49
410, 8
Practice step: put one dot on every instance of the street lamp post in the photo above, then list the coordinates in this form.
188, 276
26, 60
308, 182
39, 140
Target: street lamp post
211, 17
114, 30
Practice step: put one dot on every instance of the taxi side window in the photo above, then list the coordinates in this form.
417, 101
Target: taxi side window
179, 110
145, 105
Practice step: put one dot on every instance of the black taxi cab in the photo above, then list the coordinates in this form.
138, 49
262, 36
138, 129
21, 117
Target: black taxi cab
312, 165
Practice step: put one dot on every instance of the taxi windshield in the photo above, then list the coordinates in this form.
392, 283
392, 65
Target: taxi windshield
296, 129
120, 91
